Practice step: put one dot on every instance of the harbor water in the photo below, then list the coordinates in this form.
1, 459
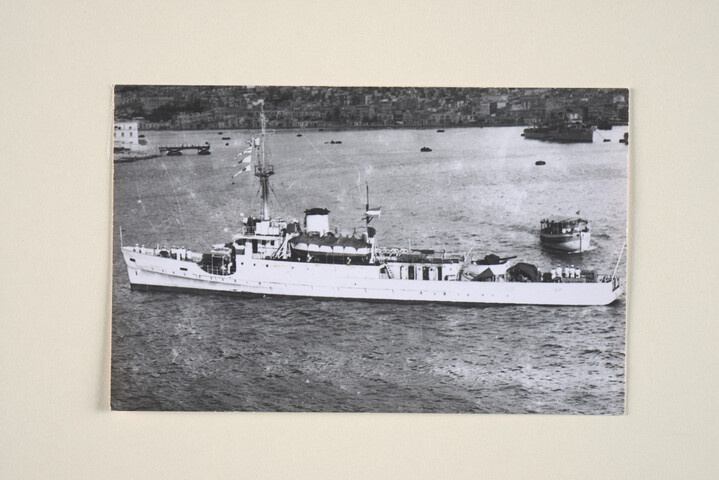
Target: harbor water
478, 189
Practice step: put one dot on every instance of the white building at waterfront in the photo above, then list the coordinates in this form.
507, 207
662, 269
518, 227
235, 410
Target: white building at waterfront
126, 136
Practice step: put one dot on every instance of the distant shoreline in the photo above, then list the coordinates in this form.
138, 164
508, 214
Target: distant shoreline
341, 128
338, 128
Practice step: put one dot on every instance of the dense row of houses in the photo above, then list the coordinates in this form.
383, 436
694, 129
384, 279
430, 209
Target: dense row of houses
312, 107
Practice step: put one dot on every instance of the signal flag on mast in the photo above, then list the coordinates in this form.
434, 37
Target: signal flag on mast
245, 169
371, 213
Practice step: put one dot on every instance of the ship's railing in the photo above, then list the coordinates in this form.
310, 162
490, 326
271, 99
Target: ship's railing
275, 227
175, 253
264, 170
403, 254
615, 281
246, 230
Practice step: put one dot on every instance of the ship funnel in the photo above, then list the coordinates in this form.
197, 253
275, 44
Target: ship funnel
317, 221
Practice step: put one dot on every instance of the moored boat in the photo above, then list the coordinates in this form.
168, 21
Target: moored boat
562, 127
604, 124
568, 133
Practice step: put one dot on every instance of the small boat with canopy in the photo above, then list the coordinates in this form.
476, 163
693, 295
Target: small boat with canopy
566, 234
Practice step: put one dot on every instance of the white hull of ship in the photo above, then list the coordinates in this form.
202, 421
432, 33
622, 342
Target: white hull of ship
570, 243
362, 282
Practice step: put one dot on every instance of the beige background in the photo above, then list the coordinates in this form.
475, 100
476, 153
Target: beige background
59, 61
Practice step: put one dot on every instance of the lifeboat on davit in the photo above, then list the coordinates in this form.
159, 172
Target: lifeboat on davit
330, 248
319, 244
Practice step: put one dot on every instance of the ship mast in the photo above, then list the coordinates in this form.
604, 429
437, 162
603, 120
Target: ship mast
262, 169
366, 215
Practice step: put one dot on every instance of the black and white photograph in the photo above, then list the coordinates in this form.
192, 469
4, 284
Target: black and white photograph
387, 240
369, 249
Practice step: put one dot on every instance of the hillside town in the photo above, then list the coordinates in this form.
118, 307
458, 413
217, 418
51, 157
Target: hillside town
156, 107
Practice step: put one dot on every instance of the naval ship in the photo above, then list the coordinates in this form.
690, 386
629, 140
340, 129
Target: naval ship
564, 127
271, 256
